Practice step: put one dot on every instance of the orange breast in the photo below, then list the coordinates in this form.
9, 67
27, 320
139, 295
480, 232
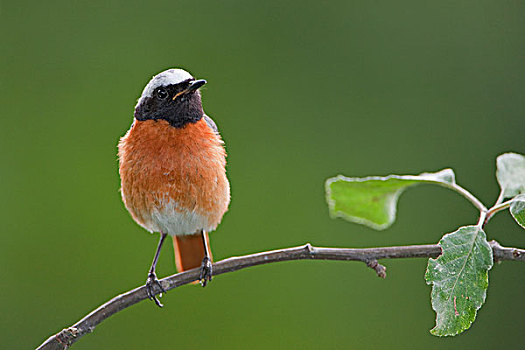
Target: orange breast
174, 179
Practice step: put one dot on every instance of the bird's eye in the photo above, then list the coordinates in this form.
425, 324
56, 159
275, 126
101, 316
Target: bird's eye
162, 93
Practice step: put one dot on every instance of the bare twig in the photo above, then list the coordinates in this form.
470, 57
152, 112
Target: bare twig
497, 208
68, 336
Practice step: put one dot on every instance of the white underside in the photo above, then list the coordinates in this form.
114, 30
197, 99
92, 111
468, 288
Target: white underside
173, 220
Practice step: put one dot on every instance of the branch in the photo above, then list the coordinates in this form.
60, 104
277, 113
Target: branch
369, 256
499, 206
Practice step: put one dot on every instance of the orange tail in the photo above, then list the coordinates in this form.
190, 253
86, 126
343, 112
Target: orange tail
189, 251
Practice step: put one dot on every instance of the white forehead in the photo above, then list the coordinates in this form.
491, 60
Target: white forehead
168, 77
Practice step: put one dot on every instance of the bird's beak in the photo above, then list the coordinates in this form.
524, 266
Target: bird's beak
194, 85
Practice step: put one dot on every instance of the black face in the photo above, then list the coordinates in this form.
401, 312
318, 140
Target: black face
178, 104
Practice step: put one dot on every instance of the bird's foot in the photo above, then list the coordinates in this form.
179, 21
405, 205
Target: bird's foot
150, 285
206, 271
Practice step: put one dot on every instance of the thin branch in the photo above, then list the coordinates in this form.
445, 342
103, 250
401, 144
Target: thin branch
497, 208
369, 256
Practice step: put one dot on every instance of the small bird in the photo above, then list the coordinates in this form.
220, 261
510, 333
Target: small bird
172, 171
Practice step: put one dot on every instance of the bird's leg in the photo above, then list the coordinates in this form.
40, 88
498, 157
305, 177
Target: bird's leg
152, 277
206, 266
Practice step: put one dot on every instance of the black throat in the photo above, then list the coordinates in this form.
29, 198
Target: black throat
186, 108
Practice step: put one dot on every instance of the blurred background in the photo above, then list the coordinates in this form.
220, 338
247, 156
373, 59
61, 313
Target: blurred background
301, 91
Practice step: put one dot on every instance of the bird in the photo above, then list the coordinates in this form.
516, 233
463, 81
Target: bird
172, 166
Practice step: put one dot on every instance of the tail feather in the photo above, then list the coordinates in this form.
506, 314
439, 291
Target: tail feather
189, 251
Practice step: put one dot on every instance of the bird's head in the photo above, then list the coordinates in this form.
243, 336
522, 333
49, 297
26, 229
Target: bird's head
172, 95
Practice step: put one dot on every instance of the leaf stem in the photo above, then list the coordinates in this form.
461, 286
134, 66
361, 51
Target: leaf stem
476, 202
501, 197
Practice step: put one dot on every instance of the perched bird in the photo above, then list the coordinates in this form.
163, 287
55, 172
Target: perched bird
172, 171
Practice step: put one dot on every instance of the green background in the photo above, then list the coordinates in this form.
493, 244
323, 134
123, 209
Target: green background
301, 91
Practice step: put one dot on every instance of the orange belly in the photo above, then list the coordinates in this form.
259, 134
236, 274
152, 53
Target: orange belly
174, 179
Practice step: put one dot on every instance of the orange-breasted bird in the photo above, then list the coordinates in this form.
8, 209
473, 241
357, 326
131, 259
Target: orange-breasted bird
172, 171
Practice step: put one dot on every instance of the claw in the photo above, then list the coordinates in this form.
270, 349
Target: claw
206, 271
150, 283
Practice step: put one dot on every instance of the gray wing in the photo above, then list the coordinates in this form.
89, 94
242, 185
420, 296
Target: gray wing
211, 123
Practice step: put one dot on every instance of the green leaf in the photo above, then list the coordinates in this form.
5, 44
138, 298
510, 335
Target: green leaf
372, 200
510, 173
517, 209
460, 279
